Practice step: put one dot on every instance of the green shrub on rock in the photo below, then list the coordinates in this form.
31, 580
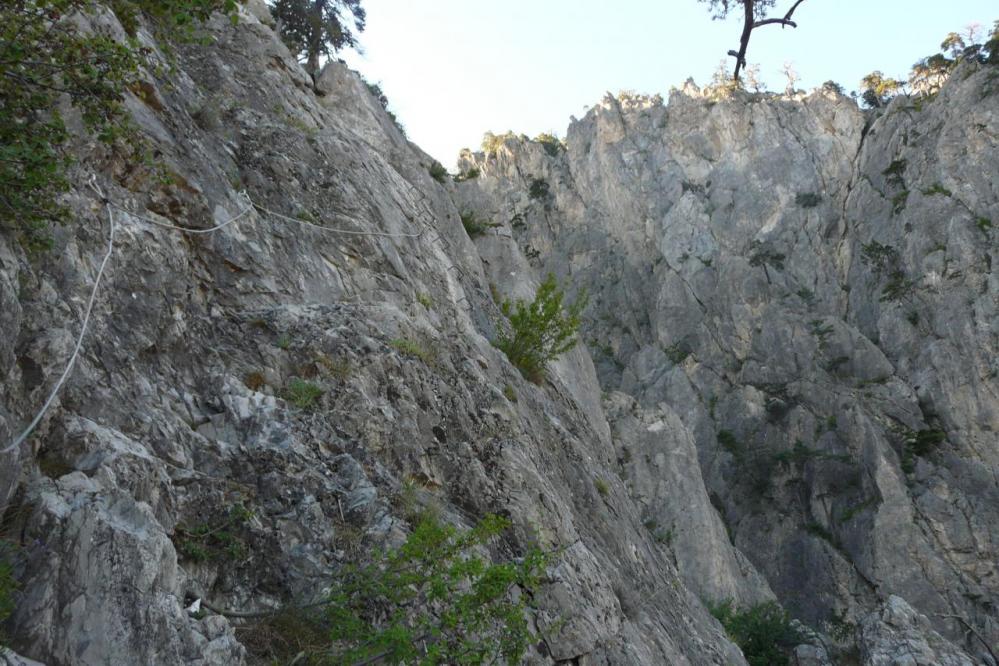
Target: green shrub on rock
540, 330
764, 632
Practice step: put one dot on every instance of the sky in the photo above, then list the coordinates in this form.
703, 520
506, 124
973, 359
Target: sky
454, 69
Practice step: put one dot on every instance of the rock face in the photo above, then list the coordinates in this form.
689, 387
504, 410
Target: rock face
175, 420
801, 295
787, 389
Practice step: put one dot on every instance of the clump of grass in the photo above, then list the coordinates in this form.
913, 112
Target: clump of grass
284, 342
937, 189
509, 393
414, 349
602, 487
301, 394
337, 368
425, 300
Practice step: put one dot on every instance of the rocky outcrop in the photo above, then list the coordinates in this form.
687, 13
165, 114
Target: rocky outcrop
349, 270
787, 388
800, 294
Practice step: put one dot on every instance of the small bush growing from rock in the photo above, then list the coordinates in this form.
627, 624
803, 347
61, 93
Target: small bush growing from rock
217, 539
551, 143
764, 632
254, 381
8, 584
438, 172
539, 189
435, 600
471, 174
540, 330
473, 226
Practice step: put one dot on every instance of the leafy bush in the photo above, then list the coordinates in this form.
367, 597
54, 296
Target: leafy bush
438, 172
44, 56
435, 600
301, 393
764, 632
551, 143
471, 174
8, 584
540, 330
473, 226
539, 189
218, 539
491, 143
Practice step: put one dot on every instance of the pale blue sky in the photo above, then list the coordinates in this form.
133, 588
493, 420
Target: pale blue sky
453, 69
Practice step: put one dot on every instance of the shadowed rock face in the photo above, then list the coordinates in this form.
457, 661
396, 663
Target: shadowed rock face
787, 388
800, 295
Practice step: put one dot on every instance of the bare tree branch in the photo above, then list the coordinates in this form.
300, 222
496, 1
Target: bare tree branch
781, 21
749, 24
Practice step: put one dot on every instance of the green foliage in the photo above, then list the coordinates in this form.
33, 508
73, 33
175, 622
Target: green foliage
491, 143
808, 199
471, 174
475, 227
218, 539
376, 91
45, 57
414, 349
676, 353
551, 143
438, 172
923, 442
729, 442
762, 255
881, 258
313, 29
764, 632
540, 330
425, 301
602, 487
895, 171
984, 224
435, 600
510, 393
539, 189
937, 189
832, 86
898, 202
301, 394
8, 584
877, 89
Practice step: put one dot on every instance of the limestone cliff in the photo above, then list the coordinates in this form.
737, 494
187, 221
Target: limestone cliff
794, 312
787, 389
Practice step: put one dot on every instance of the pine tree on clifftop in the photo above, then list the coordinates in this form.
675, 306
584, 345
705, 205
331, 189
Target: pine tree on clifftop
316, 28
